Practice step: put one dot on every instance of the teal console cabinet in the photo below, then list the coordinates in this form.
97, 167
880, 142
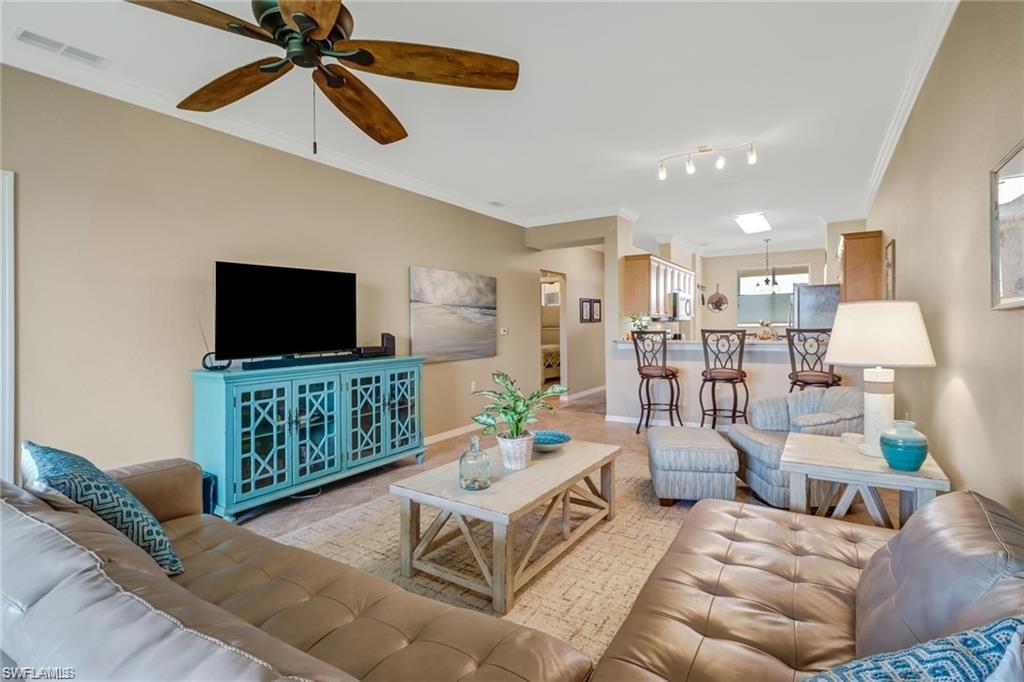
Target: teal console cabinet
270, 433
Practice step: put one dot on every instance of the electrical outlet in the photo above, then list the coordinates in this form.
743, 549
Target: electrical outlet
472, 386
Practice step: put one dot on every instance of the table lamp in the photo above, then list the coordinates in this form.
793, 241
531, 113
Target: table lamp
879, 335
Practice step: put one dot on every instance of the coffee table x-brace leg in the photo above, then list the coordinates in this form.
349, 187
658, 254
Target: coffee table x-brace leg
505, 574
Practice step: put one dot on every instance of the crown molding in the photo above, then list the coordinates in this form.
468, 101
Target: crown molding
620, 211
99, 81
777, 247
942, 15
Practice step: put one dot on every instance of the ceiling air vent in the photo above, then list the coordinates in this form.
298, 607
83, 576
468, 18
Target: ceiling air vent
83, 56
36, 40
57, 47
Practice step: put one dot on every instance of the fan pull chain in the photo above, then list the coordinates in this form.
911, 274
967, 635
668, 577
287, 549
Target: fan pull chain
314, 119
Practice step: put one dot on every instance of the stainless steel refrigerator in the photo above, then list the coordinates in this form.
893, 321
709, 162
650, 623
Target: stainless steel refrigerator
814, 305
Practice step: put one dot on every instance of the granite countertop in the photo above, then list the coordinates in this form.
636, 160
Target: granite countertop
686, 345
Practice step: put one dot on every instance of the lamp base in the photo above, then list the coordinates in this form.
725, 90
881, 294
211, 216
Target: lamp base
878, 407
869, 451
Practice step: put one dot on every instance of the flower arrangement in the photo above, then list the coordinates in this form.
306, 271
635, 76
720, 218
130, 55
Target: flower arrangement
639, 322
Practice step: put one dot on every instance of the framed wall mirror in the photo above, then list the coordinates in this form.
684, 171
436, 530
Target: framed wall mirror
1007, 209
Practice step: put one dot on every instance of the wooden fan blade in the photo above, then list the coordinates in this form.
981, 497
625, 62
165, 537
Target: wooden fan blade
193, 11
435, 64
233, 86
323, 12
361, 105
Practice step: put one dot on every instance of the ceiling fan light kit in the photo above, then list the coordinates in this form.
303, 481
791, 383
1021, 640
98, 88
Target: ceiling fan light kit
704, 150
311, 30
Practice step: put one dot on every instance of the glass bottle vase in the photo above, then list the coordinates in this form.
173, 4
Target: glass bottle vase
474, 467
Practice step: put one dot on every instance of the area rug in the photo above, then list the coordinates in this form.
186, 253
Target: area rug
582, 597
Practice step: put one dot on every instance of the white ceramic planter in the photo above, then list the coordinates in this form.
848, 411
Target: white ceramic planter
515, 452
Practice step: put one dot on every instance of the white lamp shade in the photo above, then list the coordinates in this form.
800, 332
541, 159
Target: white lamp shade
880, 333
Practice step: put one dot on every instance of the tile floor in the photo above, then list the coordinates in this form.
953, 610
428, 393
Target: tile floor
287, 515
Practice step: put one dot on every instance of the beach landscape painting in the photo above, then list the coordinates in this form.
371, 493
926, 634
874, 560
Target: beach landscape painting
453, 315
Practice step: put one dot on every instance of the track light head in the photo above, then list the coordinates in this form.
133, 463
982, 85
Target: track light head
751, 155
720, 162
690, 168
662, 171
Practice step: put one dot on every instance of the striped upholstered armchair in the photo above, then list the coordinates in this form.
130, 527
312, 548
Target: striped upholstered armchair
825, 412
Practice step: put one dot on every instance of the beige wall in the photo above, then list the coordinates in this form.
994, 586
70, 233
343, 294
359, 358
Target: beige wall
833, 231
934, 200
721, 271
121, 213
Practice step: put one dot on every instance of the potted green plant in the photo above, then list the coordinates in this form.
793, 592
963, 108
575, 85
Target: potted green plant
516, 412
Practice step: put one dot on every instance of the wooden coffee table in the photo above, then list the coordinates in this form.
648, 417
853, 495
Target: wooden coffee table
557, 479
808, 456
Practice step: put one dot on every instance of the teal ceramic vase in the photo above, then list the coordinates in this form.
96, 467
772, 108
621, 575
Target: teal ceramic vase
903, 447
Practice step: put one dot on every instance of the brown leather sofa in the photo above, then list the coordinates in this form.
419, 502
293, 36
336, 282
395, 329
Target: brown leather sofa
749, 593
77, 593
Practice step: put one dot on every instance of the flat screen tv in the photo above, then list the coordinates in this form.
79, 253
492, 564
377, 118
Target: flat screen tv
262, 311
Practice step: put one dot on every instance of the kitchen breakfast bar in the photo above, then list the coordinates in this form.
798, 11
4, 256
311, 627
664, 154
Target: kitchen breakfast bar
765, 362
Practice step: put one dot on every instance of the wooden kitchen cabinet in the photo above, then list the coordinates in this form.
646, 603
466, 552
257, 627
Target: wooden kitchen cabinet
650, 282
860, 269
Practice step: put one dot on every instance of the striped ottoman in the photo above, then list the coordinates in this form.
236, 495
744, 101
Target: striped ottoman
691, 464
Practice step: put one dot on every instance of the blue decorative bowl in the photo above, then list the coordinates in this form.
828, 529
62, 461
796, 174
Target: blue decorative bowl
904, 448
546, 441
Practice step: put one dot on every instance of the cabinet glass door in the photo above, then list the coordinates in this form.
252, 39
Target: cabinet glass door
366, 415
316, 428
403, 409
261, 442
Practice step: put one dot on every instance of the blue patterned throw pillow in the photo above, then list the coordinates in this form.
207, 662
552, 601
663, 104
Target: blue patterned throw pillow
81, 481
992, 652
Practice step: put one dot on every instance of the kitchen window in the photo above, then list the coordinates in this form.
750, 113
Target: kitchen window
759, 300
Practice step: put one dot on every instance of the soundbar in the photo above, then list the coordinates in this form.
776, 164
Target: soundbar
298, 361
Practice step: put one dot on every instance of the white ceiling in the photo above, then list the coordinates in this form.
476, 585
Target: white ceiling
604, 90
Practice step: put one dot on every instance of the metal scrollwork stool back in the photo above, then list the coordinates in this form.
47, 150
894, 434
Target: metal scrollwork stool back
807, 348
723, 364
652, 364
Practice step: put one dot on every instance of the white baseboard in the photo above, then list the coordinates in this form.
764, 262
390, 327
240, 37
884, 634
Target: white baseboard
573, 396
657, 422
445, 435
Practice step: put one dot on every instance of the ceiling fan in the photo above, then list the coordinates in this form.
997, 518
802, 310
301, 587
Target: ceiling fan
310, 31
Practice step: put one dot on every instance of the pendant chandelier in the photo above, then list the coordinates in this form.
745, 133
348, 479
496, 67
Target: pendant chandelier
771, 285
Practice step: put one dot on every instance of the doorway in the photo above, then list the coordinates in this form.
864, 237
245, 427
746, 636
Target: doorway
553, 329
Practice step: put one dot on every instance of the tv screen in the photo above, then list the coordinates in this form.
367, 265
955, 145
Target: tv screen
262, 310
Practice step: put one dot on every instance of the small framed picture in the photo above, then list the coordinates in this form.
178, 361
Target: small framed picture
596, 310
890, 270
585, 310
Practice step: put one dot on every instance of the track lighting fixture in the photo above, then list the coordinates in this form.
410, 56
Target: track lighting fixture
705, 149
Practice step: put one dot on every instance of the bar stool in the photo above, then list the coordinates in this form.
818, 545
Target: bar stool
652, 364
723, 364
807, 348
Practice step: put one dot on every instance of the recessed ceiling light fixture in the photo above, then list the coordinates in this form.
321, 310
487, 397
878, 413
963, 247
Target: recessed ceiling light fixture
753, 222
703, 150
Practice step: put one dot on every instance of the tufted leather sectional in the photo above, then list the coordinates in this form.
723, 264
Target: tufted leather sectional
755, 594
77, 593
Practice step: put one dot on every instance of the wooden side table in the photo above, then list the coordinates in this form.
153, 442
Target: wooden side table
825, 458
